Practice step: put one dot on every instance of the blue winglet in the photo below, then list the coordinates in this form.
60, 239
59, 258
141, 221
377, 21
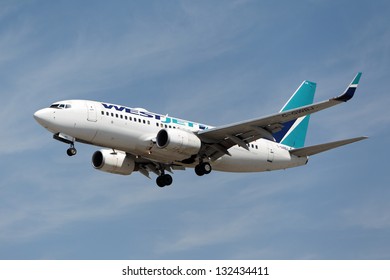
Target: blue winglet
350, 91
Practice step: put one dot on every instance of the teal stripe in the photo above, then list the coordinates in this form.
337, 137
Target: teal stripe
297, 137
357, 79
302, 97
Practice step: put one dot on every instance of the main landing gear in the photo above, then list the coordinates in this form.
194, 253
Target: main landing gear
164, 180
203, 168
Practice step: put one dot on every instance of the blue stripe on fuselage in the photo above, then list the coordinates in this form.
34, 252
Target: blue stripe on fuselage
163, 119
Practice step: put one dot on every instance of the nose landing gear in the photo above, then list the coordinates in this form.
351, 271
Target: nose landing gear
71, 151
67, 140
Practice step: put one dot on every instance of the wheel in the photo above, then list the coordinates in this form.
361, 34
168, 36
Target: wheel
203, 168
206, 167
164, 180
71, 151
167, 179
199, 170
160, 181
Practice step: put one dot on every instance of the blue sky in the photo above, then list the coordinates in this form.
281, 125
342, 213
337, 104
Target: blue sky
213, 62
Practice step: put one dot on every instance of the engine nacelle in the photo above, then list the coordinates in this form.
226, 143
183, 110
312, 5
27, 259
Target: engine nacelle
180, 143
113, 162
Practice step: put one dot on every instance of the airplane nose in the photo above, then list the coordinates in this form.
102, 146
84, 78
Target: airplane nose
38, 115
42, 117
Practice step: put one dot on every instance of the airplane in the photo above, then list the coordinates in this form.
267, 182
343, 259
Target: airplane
135, 139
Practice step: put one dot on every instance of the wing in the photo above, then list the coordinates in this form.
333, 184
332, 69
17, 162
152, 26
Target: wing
218, 140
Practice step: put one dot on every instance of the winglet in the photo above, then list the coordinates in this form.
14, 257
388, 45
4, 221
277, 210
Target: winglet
350, 91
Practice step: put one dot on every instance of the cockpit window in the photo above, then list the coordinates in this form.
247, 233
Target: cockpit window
61, 106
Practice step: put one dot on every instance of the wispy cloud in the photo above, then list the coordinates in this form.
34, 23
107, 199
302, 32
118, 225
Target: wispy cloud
372, 214
202, 61
89, 66
42, 203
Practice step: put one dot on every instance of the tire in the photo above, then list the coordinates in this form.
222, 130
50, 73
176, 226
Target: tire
199, 170
160, 181
206, 167
167, 179
203, 168
71, 152
164, 180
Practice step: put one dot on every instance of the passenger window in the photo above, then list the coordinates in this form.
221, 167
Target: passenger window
102, 112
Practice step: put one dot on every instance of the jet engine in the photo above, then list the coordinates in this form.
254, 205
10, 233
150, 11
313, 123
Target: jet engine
179, 143
117, 162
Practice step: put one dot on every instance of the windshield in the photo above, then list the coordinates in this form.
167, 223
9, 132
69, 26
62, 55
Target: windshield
60, 106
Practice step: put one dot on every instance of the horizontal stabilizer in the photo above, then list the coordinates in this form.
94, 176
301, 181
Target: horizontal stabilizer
316, 149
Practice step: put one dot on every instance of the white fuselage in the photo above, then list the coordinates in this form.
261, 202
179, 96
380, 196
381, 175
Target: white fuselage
134, 130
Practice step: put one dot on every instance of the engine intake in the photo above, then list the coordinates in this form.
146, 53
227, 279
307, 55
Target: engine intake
180, 143
113, 162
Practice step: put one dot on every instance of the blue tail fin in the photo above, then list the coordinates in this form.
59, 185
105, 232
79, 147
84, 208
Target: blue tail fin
293, 133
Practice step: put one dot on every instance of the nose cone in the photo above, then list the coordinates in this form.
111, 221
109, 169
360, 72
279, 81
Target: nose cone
42, 117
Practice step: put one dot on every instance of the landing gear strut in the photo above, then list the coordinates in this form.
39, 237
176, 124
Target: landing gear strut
164, 180
203, 168
67, 140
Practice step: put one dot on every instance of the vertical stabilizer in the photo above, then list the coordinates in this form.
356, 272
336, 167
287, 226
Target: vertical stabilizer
293, 133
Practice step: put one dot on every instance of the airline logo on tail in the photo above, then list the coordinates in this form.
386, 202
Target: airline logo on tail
294, 132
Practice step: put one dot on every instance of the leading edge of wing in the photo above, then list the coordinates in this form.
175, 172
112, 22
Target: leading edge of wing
219, 133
